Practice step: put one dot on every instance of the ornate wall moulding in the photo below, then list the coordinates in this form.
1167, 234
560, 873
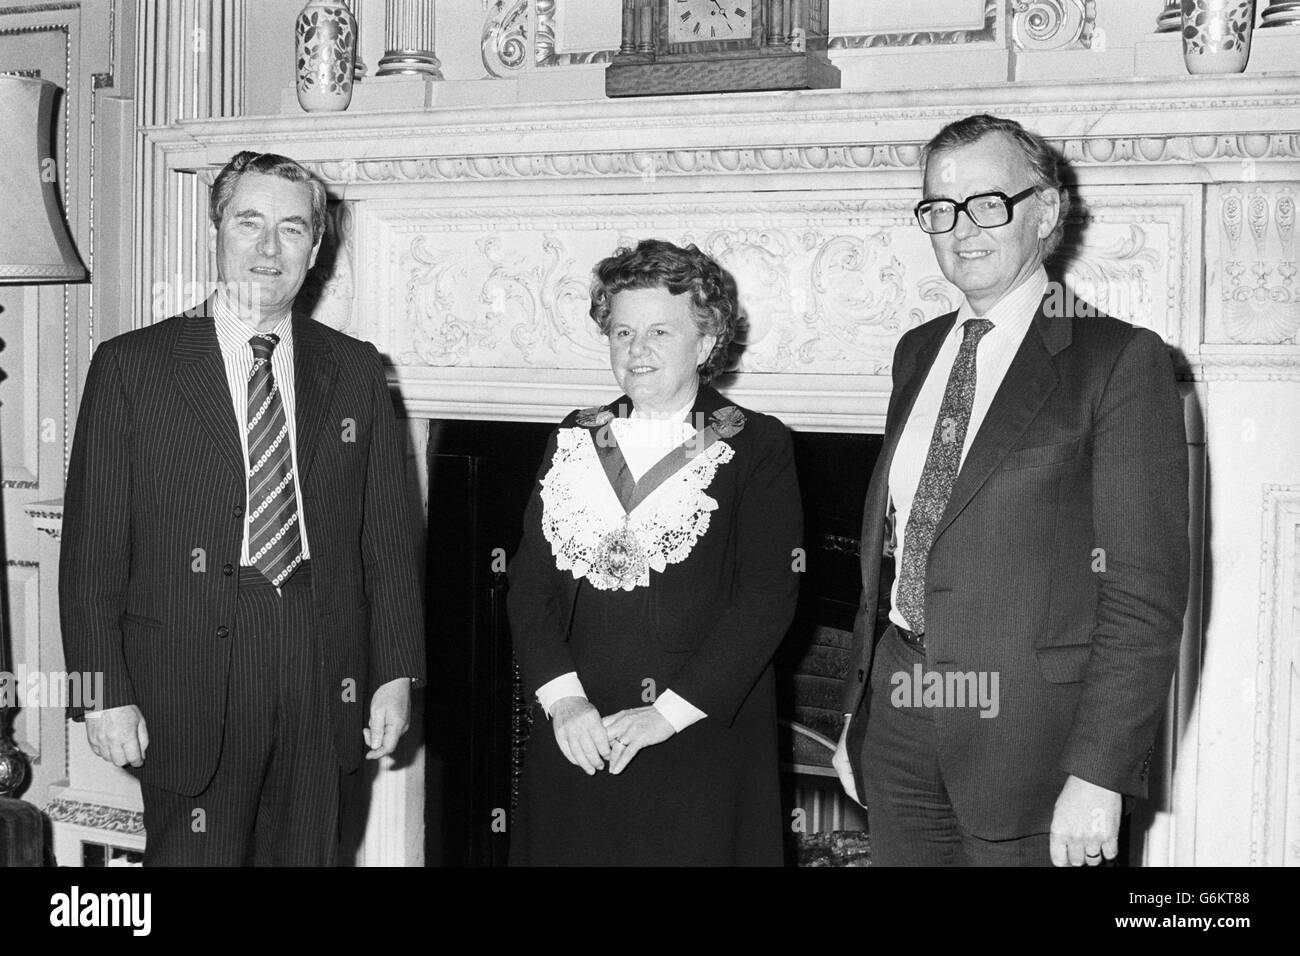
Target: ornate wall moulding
1275, 801
1100, 123
644, 165
1252, 278
829, 284
1242, 152
96, 816
494, 285
1132, 254
467, 236
23, 583
1246, 364
47, 517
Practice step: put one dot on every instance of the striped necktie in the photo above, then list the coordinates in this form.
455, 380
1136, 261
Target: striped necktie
942, 462
274, 536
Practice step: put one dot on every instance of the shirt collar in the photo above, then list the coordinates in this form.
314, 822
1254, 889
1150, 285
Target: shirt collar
1014, 311
233, 334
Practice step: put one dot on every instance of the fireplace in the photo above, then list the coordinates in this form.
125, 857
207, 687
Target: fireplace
467, 236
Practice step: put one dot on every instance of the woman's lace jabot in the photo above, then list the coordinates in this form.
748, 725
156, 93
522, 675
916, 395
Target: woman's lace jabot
590, 534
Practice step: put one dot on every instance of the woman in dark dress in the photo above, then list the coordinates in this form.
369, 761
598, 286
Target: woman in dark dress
657, 574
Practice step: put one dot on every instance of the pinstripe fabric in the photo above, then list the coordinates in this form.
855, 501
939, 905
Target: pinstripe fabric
153, 528
274, 799
237, 356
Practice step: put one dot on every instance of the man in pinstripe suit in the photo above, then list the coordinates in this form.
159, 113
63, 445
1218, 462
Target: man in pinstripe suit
238, 558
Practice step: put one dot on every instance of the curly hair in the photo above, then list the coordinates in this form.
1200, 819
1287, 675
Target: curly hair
268, 164
1043, 161
655, 264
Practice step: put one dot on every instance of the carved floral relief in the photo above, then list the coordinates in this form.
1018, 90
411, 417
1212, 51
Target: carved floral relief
1254, 295
828, 285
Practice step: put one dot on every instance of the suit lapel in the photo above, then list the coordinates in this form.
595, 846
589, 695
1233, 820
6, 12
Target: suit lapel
314, 372
1026, 386
200, 377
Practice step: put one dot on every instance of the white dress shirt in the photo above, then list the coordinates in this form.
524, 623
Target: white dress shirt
237, 354
643, 441
1011, 316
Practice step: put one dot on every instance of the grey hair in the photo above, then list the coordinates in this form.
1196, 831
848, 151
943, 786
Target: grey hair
656, 264
268, 164
1044, 162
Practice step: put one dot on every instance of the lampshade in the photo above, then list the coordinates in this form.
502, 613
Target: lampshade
34, 241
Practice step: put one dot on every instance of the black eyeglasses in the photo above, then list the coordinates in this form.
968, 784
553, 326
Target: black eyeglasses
986, 210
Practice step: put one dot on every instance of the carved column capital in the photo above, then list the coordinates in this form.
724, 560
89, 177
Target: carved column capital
504, 41
1039, 25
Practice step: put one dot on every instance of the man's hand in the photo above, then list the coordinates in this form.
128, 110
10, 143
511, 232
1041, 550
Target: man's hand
631, 730
1085, 824
580, 733
118, 735
841, 764
390, 716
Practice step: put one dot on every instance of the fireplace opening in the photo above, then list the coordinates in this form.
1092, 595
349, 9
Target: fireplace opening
480, 477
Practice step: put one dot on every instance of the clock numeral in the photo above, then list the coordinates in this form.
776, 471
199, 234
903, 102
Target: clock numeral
697, 27
740, 13
713, 32
686, 16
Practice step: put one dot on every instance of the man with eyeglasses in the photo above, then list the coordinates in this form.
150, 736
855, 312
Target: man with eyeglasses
1031, 496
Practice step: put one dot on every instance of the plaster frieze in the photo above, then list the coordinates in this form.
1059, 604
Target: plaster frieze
96, 816
1139, 110
648, 165
1253, 280
466, 237
828, 283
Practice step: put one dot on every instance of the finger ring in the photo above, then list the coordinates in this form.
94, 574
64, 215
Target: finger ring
620, 741
1092, 856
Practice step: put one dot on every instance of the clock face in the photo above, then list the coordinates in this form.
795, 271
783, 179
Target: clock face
701, 20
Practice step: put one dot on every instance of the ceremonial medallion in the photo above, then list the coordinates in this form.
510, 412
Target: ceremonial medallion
620, 558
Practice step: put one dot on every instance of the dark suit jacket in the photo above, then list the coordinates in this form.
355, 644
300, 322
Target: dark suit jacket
1081, 460
153, 526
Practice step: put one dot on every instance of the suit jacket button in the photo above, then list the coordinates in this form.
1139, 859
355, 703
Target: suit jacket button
228, 570
223, 631
239, 511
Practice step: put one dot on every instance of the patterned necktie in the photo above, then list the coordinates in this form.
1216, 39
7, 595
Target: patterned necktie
274, 536
942, 463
